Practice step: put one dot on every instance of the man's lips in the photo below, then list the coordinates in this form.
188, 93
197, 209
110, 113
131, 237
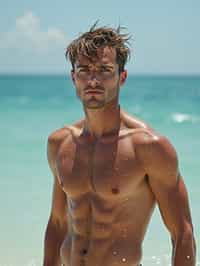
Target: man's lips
93, 91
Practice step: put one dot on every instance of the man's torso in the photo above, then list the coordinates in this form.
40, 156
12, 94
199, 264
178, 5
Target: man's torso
109, 201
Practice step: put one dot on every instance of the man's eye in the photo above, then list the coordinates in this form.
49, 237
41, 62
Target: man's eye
107, 70
83, 70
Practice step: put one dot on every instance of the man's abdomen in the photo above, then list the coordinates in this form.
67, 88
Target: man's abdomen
79, 251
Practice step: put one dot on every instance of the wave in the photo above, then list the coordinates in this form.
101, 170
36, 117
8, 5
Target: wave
183, 117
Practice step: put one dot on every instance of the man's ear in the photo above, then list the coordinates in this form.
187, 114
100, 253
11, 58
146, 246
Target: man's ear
72, 75
123, 77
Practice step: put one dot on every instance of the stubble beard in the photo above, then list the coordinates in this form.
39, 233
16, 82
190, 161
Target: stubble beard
94, 103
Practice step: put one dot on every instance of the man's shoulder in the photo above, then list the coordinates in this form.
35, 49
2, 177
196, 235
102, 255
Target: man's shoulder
61, 134
58, 135
153, 149
142, 132
153, 143
146, 136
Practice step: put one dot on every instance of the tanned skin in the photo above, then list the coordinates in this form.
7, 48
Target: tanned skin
110, 169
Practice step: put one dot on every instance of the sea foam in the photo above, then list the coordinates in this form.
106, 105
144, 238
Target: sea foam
183, 117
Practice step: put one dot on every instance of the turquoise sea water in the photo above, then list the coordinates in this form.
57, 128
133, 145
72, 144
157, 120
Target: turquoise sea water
33, 106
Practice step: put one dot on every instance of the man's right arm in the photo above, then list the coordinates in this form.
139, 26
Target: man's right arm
57, 225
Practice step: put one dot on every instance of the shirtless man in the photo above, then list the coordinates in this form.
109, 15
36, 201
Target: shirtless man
110, 170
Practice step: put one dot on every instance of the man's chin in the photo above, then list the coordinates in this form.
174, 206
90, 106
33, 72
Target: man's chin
94, 104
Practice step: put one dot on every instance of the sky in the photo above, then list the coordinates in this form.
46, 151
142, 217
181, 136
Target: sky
35, 33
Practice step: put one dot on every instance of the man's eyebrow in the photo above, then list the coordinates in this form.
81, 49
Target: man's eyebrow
107, 65
81, 65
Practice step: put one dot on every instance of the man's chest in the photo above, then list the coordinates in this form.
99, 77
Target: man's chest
109, 168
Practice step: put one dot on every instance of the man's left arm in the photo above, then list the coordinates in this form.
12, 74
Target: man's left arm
166, 183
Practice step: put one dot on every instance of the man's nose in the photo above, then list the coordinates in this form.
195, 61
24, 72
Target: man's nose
93, 81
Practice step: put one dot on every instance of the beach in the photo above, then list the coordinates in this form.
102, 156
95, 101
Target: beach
32, 106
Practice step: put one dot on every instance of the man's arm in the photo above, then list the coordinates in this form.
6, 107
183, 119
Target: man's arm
57, 225
161, 165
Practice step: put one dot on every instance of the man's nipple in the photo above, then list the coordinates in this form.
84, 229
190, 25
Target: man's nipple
115, 190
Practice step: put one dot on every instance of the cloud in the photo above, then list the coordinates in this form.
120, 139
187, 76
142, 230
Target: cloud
28, 47
27, 34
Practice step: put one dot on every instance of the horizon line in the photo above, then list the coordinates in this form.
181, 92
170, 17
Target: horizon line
188, 74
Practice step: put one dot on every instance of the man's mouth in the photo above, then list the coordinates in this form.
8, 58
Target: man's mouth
93, 91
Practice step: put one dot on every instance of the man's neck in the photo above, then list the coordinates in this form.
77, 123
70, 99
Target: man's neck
103, 121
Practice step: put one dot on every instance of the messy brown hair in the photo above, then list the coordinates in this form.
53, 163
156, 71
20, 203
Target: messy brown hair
88, 43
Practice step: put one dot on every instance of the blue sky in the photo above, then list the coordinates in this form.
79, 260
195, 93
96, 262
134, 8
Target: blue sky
33, 34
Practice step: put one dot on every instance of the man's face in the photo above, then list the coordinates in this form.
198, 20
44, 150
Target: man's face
98, 81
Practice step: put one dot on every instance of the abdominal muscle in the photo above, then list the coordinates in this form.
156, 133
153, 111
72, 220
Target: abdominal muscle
109, 243
81, 251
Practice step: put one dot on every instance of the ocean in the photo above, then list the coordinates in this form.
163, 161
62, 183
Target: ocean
32, 106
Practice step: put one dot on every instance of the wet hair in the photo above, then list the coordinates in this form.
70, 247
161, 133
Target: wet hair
88, 43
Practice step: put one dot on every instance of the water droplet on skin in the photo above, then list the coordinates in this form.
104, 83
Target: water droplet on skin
188, 257
123, 259
114, 253
126, 199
